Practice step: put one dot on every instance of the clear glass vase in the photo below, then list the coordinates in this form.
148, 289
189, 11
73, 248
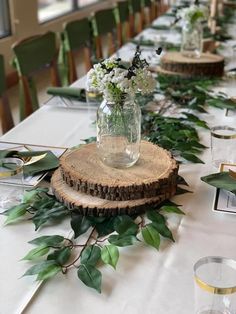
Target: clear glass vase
191, 45
119, 132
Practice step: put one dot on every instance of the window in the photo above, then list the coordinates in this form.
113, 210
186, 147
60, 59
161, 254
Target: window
50, 9
5, 28
83, 3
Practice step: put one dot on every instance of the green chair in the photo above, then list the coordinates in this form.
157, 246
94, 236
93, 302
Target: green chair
136, 16
104, 24
123, 22
5, 111
31, 55
76, 35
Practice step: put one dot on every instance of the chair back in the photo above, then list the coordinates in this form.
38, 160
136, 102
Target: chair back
5, 111
76, 35
104, 23
123, 22
136, 16
31, 55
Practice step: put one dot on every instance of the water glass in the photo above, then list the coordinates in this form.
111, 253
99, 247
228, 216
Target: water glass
11, 182
93, 100
223, 145
215, 285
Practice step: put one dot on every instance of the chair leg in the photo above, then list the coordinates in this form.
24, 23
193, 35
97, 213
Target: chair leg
111, 45
5, 114
72, 67
26, 106
132, 26
87, 58
98, 45
119, 34
55, 80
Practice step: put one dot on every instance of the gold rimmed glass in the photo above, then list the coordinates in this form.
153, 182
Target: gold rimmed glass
215, 285
11, 181
223, 145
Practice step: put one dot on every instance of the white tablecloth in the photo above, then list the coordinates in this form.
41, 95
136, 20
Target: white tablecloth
146, 281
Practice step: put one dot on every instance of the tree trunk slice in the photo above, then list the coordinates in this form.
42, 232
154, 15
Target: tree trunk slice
90, 205
207, 65
154, 174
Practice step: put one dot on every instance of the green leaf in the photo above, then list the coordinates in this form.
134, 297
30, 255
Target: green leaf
181, 180
221, 180
105, 227
47, 240
124, 225
30, 195
191, 157
45, 215
163, 230
40, 267
180, 191
80, 224
172, 209
61, 256
110, 255
15, 213
36, 253
90, 276
151, 236
122, 240
155, 216
49, 272
91, 255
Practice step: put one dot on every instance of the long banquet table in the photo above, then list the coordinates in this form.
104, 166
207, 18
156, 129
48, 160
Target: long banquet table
146, 280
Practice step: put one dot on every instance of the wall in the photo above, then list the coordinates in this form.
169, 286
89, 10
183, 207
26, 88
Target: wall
25, 23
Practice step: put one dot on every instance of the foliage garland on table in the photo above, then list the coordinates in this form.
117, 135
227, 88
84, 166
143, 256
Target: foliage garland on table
106, 235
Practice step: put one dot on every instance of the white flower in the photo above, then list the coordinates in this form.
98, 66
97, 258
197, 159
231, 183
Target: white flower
112, 79
193, 13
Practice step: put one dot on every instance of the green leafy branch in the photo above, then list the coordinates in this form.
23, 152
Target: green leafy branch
176, 135
102, 246
39, 206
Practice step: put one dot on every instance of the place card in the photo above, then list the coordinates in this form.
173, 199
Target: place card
224, 201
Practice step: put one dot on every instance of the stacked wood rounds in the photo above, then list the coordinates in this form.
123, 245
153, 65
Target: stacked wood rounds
209, 65
84, 183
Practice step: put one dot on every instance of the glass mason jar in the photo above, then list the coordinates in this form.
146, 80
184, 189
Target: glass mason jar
191, 45
119, 132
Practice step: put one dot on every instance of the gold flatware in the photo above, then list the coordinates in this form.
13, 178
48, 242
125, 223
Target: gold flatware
32, 160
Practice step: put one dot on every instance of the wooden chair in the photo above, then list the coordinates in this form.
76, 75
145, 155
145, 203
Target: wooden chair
136, 16
31, 55
5, 111
76, 35
148, 11
104, 24
123, 22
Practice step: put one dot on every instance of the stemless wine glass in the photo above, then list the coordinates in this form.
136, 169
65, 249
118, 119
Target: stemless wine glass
11, 181
215, 285
223, 145
93, 100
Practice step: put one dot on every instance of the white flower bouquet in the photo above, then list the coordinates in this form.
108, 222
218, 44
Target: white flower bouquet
193, 14
113, 78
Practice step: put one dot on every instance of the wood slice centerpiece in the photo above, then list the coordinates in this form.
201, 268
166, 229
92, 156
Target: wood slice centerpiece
84, 183
155, 173
174, 63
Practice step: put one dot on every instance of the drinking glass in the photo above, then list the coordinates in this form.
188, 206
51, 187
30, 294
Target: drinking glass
93, 100
215, 285
223, 145
11, 181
